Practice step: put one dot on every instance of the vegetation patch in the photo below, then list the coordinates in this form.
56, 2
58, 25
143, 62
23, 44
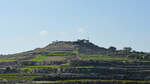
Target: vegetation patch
45, 82
84, 67
18, 77
94, 81
39, 58
62, 53
19, 74
56, 58
102, 57
11, 58
45, 66
7, 60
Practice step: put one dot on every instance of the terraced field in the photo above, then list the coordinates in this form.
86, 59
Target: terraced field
103, 58
75, 63
11, 58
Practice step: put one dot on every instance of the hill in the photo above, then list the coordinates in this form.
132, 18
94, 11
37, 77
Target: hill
83, 46
71, 62
66, 49
80, 49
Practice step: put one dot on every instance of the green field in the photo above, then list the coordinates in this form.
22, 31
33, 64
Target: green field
11, 58
59, 53
46, 66
39, 58
7, 60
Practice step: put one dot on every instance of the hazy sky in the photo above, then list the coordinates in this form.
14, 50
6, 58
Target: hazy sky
28, 24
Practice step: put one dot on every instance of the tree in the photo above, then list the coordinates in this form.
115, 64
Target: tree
112, 48
137, 56
127, 49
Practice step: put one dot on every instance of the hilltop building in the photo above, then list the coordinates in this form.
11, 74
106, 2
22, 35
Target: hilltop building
79, 40
83, 41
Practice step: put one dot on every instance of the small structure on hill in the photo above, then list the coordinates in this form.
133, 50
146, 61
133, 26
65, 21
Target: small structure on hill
83, 41
79, 40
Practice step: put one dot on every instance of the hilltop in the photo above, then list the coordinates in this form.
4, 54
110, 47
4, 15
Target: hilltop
82, 46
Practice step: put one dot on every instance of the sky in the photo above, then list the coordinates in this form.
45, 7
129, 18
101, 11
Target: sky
30, 24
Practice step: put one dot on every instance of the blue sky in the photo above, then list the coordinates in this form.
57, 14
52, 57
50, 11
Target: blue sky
28, 24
